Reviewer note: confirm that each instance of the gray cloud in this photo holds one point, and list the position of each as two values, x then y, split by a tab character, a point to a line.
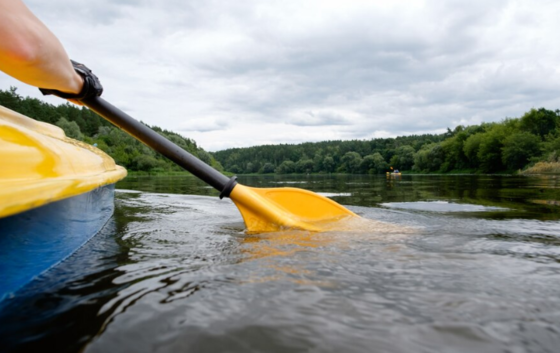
319	119
334	69
205	125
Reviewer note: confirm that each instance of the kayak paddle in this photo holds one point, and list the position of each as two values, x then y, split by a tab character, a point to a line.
262	209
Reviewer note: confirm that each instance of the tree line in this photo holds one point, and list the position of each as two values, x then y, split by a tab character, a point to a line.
84	125
507	146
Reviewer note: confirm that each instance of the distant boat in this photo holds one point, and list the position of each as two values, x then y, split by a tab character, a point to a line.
55	194
392	174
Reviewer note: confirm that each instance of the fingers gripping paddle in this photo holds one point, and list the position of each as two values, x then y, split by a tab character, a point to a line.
263	210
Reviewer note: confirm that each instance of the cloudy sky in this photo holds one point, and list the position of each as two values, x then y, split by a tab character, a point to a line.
247	72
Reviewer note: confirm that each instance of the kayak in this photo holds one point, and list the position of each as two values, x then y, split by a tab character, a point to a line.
55	194
393	174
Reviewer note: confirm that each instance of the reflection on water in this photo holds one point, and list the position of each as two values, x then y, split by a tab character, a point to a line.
334	194
174	272
442	206
516	197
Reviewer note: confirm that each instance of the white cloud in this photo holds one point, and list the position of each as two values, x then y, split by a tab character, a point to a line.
320	118
241	73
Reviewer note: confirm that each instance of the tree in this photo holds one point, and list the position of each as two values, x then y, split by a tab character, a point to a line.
235	169
539	122
403	158
421	162
453	150
380	165
122	156
551	149
519	148
351	162
102	131
204	156
286	167
429	158
250	168
217	165
304	165
267	168
368	165
471	147
144	162
11	99
318	161
71	128
436	156
328	164
490	150
374	164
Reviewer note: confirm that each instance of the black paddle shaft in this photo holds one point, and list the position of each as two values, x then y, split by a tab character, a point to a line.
159	143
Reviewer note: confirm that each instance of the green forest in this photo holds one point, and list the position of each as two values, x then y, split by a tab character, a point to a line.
505	147
82	124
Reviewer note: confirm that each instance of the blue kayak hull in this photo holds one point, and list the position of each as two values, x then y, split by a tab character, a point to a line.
36	240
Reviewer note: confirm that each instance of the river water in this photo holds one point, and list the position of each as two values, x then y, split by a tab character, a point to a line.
455	264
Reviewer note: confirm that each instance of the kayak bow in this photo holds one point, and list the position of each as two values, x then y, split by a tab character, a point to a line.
55	194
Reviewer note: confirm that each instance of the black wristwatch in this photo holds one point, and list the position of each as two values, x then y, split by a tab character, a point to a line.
92	87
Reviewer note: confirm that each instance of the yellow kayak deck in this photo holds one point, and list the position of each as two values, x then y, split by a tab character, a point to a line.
39	164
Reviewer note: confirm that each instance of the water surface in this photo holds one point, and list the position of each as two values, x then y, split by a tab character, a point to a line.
460	264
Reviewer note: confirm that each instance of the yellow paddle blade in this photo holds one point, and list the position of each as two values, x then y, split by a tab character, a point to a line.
270	210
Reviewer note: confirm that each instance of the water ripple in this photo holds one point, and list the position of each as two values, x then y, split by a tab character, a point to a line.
183	276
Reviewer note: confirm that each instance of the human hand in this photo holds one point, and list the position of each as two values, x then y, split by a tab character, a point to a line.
90	85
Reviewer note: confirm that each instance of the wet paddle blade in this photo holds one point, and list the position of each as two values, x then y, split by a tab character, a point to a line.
269	210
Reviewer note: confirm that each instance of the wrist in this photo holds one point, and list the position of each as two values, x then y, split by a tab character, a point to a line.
87	85
76	84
